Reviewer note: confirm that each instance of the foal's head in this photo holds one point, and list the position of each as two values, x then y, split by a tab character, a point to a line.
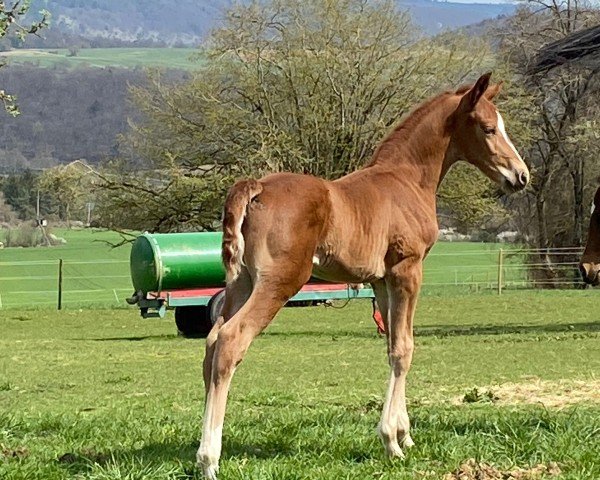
590	260
479	135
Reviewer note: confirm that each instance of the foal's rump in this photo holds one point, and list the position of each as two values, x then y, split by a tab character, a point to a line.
273	225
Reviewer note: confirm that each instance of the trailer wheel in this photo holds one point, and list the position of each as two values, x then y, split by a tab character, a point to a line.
215	306
193	321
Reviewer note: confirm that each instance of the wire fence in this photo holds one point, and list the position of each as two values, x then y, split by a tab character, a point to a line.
504	269
106	282
84	283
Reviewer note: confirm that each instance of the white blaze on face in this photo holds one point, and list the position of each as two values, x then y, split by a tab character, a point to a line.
593	207
505	136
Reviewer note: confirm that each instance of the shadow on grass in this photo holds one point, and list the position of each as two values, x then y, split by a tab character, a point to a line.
293	437
428	331
454	330
285	439
130	338
474	329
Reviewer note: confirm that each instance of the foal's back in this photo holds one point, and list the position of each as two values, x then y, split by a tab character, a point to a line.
343	227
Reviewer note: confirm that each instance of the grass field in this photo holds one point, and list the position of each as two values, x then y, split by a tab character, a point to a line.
95	273
104	394
179	58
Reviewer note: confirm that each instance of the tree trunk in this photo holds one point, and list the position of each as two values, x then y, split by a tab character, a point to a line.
577	176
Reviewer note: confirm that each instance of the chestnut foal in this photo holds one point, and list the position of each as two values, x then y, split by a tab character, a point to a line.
375	225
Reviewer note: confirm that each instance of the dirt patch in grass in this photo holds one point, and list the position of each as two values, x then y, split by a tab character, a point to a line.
473	470
19	452
86	455
557	394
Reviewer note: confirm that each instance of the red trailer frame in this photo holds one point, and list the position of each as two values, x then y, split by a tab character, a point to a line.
197	309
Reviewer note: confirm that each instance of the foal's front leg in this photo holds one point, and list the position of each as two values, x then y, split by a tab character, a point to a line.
403	285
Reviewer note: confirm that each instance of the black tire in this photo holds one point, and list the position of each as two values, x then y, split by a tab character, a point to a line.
193	322
306	303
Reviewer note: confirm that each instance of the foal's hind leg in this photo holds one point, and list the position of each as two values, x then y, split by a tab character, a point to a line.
237	293
233	339
403	284
381	295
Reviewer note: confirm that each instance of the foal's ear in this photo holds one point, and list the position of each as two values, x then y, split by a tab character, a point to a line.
493	90
471	98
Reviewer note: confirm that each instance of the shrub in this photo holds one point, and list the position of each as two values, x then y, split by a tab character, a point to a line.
24	236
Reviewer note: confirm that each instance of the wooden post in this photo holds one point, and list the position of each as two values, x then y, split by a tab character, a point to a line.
60	279
500	272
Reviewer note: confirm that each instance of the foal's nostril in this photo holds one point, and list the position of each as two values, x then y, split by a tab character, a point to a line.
523	178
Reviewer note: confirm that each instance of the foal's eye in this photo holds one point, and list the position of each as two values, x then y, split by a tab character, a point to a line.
489	130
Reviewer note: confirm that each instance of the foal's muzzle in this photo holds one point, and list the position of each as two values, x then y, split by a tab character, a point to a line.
516	181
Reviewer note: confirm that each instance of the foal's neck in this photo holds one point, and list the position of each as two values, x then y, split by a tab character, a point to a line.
420	146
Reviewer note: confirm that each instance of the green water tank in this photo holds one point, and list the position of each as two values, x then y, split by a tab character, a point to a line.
165	261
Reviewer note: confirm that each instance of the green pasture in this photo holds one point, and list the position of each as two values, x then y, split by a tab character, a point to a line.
104	394
179	58
94	273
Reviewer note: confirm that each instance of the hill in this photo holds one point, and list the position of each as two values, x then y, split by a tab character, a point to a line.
106	23
435	16
159	22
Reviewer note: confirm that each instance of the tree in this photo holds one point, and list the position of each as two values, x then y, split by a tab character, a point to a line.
167	200
308	87
11	24
20	192
562	139
69	186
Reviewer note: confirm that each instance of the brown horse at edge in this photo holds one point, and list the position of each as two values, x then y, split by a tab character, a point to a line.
375	225
590	260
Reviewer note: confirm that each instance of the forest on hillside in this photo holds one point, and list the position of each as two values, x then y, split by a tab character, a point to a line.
67	114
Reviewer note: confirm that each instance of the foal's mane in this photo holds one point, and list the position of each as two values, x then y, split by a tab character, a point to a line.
403	129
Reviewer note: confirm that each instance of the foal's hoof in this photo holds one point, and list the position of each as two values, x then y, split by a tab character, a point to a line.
394	451
209	467
209	471
407	441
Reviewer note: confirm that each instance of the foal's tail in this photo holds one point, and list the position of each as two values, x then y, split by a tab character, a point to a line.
240	195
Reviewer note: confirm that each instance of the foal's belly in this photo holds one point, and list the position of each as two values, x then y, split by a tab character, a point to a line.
334	269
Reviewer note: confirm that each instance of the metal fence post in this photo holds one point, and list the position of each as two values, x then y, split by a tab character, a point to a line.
500	272
60	280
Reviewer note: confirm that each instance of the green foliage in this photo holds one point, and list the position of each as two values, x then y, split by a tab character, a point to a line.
468	199
69	188
25	235
20	192
171	199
